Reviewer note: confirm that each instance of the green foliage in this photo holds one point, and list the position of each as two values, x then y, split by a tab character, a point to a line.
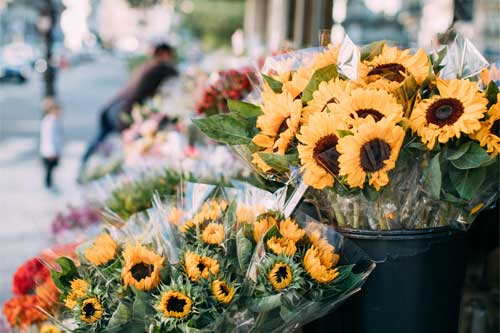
67	274
214	21
492	92
229	129
321	75
275	85
280	162
433	178
246	110
372	50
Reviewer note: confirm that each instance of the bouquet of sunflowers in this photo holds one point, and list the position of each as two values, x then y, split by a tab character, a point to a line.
214	278
386	138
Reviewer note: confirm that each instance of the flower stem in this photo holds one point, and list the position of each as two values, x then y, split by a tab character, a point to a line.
356	215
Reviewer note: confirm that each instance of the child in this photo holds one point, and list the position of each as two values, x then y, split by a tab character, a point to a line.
50	138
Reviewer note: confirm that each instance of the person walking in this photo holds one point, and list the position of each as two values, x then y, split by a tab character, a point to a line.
50	139
142	85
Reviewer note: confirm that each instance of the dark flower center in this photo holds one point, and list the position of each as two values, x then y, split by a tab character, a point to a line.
325	153
299	96
201	266
283	127
373	155
331	100
224	289
281	274
363	113
391	72
176	304
495	128
444	111
141	271
88	310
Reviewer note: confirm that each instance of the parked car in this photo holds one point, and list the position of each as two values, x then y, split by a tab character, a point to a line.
11	74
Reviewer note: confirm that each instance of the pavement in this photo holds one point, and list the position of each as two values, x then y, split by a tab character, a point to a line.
26	207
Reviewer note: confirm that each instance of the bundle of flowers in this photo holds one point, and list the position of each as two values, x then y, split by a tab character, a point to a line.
233	84
213	278
393	138
76	220
32	288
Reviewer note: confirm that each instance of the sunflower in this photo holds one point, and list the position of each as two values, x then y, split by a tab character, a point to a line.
372	150
176	215
175	304
328	94
314	267
290	230
213	234
327	57
391	67
91	310
47	328
259	162
283	246
456	110
222	291
102	250
248	213
279	122
326	251
489	133
317	151
298	82
79	289
200	266
262	225
363	104
280	275
142	267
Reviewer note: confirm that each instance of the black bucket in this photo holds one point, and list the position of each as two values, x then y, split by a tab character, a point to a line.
416	286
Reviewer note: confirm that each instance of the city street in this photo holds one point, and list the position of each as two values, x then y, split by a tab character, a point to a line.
26	207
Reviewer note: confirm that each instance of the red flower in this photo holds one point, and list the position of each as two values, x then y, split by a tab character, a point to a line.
28	275
21	311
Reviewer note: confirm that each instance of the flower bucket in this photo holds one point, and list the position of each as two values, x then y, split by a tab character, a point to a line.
416	286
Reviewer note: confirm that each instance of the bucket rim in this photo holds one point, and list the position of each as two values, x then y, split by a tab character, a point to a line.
401	234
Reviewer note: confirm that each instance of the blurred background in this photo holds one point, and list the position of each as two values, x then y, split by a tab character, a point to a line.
82	52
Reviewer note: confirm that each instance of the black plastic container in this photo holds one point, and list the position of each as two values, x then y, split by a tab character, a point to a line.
416	286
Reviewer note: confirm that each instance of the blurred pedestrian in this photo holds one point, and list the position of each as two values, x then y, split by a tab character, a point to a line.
143	84
50	138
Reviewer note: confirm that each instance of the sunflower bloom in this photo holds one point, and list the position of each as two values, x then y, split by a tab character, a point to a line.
279	123
213	234
317	150
91	310
47	328
248	213
142	267
280	275
290	230
489	133
102	250
316	269
262	226
283	246
200	267
328	94
174	304
79	289
363	104
391	67
372	150
327	255
456	110
222	291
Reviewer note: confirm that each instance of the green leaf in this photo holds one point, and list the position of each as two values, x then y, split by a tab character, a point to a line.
243	250
370	51
475	157
491	93
370	193
266	303
455	153
432	177
436	63
343	133
224	128
468	182
323	74
67	274
120	318
275	85
280	162
246	110
406	94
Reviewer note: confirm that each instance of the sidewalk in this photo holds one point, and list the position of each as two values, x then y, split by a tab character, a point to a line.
27	207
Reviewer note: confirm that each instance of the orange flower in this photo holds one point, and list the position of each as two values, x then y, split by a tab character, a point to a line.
21	311
48	294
